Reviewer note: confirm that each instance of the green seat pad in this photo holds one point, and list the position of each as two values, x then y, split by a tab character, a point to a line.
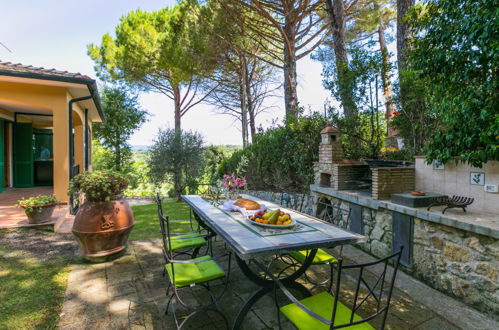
199	272
183	243
320	258
321	304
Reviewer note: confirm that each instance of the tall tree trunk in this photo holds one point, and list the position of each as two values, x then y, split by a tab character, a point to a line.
403	36
244	108
117	163
290	76
176	102
251	114
250	104
336	14
385	76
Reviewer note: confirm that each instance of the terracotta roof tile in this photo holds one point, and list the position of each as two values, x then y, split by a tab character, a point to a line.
330	129
40	70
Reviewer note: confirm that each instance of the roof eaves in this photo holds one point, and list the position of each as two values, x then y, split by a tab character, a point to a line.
91	84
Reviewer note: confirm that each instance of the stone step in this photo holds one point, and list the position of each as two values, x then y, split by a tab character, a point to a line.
64	223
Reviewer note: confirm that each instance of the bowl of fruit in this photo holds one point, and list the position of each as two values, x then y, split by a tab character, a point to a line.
272	219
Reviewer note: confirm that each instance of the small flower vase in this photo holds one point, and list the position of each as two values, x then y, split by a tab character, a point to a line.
232	194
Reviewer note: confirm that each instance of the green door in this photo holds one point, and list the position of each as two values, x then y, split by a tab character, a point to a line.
2	149
23	155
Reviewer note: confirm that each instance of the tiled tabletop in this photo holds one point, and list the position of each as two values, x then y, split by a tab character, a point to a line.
249	241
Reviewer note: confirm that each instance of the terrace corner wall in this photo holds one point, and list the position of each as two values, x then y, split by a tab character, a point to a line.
391	180
456	179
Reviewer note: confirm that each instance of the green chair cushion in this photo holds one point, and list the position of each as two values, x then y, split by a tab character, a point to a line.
321	257
184	243
321	304
191	273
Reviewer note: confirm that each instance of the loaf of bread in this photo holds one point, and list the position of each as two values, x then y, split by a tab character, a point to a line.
248	204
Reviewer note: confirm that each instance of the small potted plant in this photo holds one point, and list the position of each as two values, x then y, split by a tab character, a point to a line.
39	208
104	221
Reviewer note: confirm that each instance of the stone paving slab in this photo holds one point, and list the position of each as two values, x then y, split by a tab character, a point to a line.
129	293
14	217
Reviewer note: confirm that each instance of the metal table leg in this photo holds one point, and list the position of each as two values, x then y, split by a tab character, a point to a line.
268	285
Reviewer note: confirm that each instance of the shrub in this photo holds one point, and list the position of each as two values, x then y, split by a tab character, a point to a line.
177	158
280	158
98	186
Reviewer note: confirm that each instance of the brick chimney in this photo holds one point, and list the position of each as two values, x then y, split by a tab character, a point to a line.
330	149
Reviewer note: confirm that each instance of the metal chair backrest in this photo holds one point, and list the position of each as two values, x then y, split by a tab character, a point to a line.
373	288
164	226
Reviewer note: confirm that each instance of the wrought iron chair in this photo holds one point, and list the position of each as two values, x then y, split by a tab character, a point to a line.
191	273
326	311
183	243
333	214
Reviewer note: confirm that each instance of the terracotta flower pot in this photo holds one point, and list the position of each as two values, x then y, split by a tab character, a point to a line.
102	228
40	214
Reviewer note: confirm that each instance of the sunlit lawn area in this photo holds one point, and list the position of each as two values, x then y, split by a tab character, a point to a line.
147	223
31	290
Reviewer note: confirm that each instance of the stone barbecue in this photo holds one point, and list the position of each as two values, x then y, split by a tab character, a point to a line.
378	179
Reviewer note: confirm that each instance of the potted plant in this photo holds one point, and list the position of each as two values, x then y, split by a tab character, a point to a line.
104	221
39	208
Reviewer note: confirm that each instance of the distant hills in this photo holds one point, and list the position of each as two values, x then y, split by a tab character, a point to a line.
139	147
231	148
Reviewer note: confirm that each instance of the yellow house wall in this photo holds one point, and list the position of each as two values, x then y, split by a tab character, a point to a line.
79	147
56	100
4	114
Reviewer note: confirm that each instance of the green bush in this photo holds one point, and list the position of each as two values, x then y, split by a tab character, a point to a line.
280	158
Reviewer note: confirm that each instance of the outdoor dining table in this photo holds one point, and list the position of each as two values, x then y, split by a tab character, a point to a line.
250	242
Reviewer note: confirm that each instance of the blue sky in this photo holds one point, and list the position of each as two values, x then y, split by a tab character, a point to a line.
54	34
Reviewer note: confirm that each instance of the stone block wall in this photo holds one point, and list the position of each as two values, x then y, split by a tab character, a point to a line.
323	168
300	202
391	180
455	179
460	263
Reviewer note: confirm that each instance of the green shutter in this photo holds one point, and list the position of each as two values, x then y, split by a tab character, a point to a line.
2	150
23	155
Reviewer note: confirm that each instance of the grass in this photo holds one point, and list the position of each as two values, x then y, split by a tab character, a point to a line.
31	290
147	223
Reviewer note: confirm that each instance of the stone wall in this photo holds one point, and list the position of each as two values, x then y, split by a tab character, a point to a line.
455	179
391	180
460	263
300	202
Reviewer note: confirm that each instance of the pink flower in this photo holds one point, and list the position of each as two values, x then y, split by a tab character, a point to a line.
230	181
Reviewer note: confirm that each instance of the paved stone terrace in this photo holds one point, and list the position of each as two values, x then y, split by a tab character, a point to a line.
14	217
129	293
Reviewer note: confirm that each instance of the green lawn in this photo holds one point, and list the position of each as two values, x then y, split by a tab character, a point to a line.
147	223
31	290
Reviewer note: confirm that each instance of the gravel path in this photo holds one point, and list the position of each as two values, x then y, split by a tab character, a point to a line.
40	243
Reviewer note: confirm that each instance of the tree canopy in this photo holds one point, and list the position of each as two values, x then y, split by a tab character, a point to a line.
166	51
456	53
123	117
